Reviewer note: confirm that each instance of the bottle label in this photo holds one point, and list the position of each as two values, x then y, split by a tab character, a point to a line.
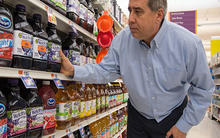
64	111
53	52
74	57
82	109
73	6
76	108
3	128
5	22
51	102
17	122
22	44
35	117
6	45
88	106
98	103
61	4
49	118
39	48
83	14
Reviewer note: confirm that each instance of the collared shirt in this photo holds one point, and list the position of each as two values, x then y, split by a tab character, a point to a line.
159	76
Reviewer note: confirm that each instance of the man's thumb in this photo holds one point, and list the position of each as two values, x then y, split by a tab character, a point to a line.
169	133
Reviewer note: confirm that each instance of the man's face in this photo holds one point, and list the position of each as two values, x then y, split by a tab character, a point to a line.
142	21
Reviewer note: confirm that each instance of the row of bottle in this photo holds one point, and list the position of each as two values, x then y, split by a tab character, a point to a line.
79	11
29	111
31	47
110	125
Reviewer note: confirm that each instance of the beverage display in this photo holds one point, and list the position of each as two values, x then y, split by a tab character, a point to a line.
16	110
83	14
40	44
6	36
48	97
54	46
71	49
73	9
3	116
22	50
34	111
63	109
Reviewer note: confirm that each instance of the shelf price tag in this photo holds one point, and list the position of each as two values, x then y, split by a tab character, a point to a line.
58	83
51	16
28	82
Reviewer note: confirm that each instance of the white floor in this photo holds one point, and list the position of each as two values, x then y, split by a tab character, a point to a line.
206	129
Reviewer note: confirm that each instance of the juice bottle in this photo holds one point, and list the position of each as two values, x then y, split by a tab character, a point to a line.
110	96
77	104
73	8
63	109
83	103
61	6
40	44
34	112
3	116
16	111
88	101
71	49
6	36
98	99
106	98
102	98
83	14
91	18
54	46
48	97
93	100
23	50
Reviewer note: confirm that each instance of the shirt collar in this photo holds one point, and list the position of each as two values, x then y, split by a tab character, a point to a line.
158	37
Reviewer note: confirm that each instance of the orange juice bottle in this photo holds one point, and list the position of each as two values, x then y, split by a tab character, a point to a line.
106	98
98	99
83	103
88	101
63	109
93	99
102	98
77	104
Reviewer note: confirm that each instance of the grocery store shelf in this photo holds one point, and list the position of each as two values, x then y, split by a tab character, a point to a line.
61	133
218	119
120	132
42	75
216	106
217	81
216	71
37	6
101	8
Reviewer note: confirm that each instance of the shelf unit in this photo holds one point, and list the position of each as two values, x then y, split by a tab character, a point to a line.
218	119
63	23
120	132
61	133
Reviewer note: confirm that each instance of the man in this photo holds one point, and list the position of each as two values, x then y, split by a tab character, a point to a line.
157	61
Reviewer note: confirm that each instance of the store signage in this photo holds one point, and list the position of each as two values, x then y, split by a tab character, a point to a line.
187	19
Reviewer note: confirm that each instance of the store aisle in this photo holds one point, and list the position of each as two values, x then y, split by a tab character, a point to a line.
206	129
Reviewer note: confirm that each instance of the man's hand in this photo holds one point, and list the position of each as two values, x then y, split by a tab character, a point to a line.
66	67
176	133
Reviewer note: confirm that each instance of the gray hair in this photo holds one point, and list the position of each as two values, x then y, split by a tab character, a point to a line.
155	5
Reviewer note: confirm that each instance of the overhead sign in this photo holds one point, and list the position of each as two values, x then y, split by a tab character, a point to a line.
187	19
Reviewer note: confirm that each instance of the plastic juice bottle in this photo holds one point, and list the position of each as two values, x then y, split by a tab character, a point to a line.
71	49
83	103
83	14
16	111
98	99
88	101
63	109
61	6
34	110
40	44
6	36
77	104
3	116
48	97
102	98
73	8
23	50
91	18
54	46
93	99
106	99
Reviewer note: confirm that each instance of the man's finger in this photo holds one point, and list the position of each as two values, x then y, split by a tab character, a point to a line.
62	55
169	134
